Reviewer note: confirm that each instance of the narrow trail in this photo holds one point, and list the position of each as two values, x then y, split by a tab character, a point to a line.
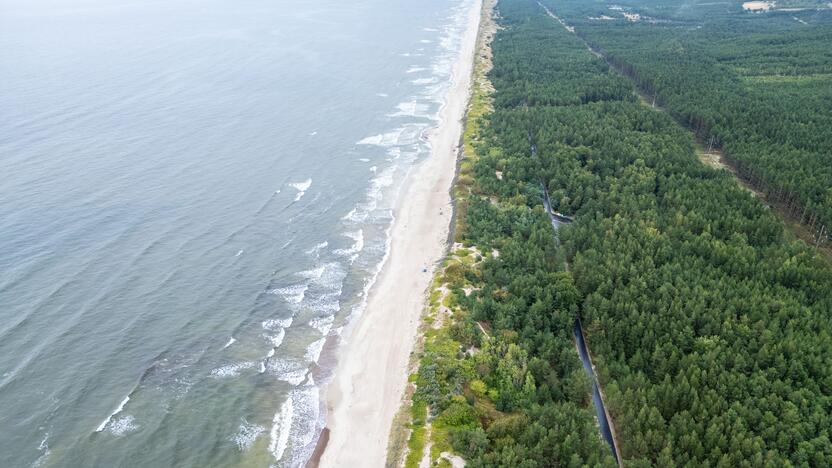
604	420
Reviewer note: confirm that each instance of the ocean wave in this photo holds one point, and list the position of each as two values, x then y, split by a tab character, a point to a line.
447	42
276	340
423	81
317	248
331	277
313	351
247	434
230	342
395	153
412	109
314	273
231	370
415	69
390	138
355	216
43	448
123	425
301	187
281	425
118	410
357	246
307	423
292	294
288	370
274	324
326	303
322	324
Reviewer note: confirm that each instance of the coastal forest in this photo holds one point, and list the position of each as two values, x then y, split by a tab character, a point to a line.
758	87
708	321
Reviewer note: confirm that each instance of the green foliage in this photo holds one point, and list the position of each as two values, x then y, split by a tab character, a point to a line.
757	86
416	442
710	330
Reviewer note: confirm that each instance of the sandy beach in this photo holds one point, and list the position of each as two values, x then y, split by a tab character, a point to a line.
371	375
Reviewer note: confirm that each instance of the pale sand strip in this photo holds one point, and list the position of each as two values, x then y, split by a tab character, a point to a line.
371	374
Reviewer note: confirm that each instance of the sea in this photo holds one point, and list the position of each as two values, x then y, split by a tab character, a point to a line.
195	197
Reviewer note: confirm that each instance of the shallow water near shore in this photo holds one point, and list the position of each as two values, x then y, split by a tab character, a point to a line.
196	197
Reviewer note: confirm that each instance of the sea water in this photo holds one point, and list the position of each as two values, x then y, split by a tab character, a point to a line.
195	197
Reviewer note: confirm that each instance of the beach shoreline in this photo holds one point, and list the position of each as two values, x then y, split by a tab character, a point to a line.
371	375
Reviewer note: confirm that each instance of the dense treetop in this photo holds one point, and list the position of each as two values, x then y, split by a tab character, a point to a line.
710	329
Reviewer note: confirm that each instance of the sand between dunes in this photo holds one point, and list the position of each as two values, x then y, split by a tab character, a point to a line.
371	374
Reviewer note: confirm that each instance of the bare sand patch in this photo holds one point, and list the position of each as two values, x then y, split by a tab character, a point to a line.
371	375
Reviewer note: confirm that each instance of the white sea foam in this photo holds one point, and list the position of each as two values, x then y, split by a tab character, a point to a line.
314	273
415	69
329	276
301	187
425	41
231	370
395	153
262	367
364	159
247	434
270	353
317	248
313	133
306	406
123	425
292	294
274	324
357	246
356	216
411	109
371	140
118	410
276	340
291	371
373	169
322	324
424	81
313	351
43	447
239	253
387	139
382	180
382	94
328	302
281	425
230	342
